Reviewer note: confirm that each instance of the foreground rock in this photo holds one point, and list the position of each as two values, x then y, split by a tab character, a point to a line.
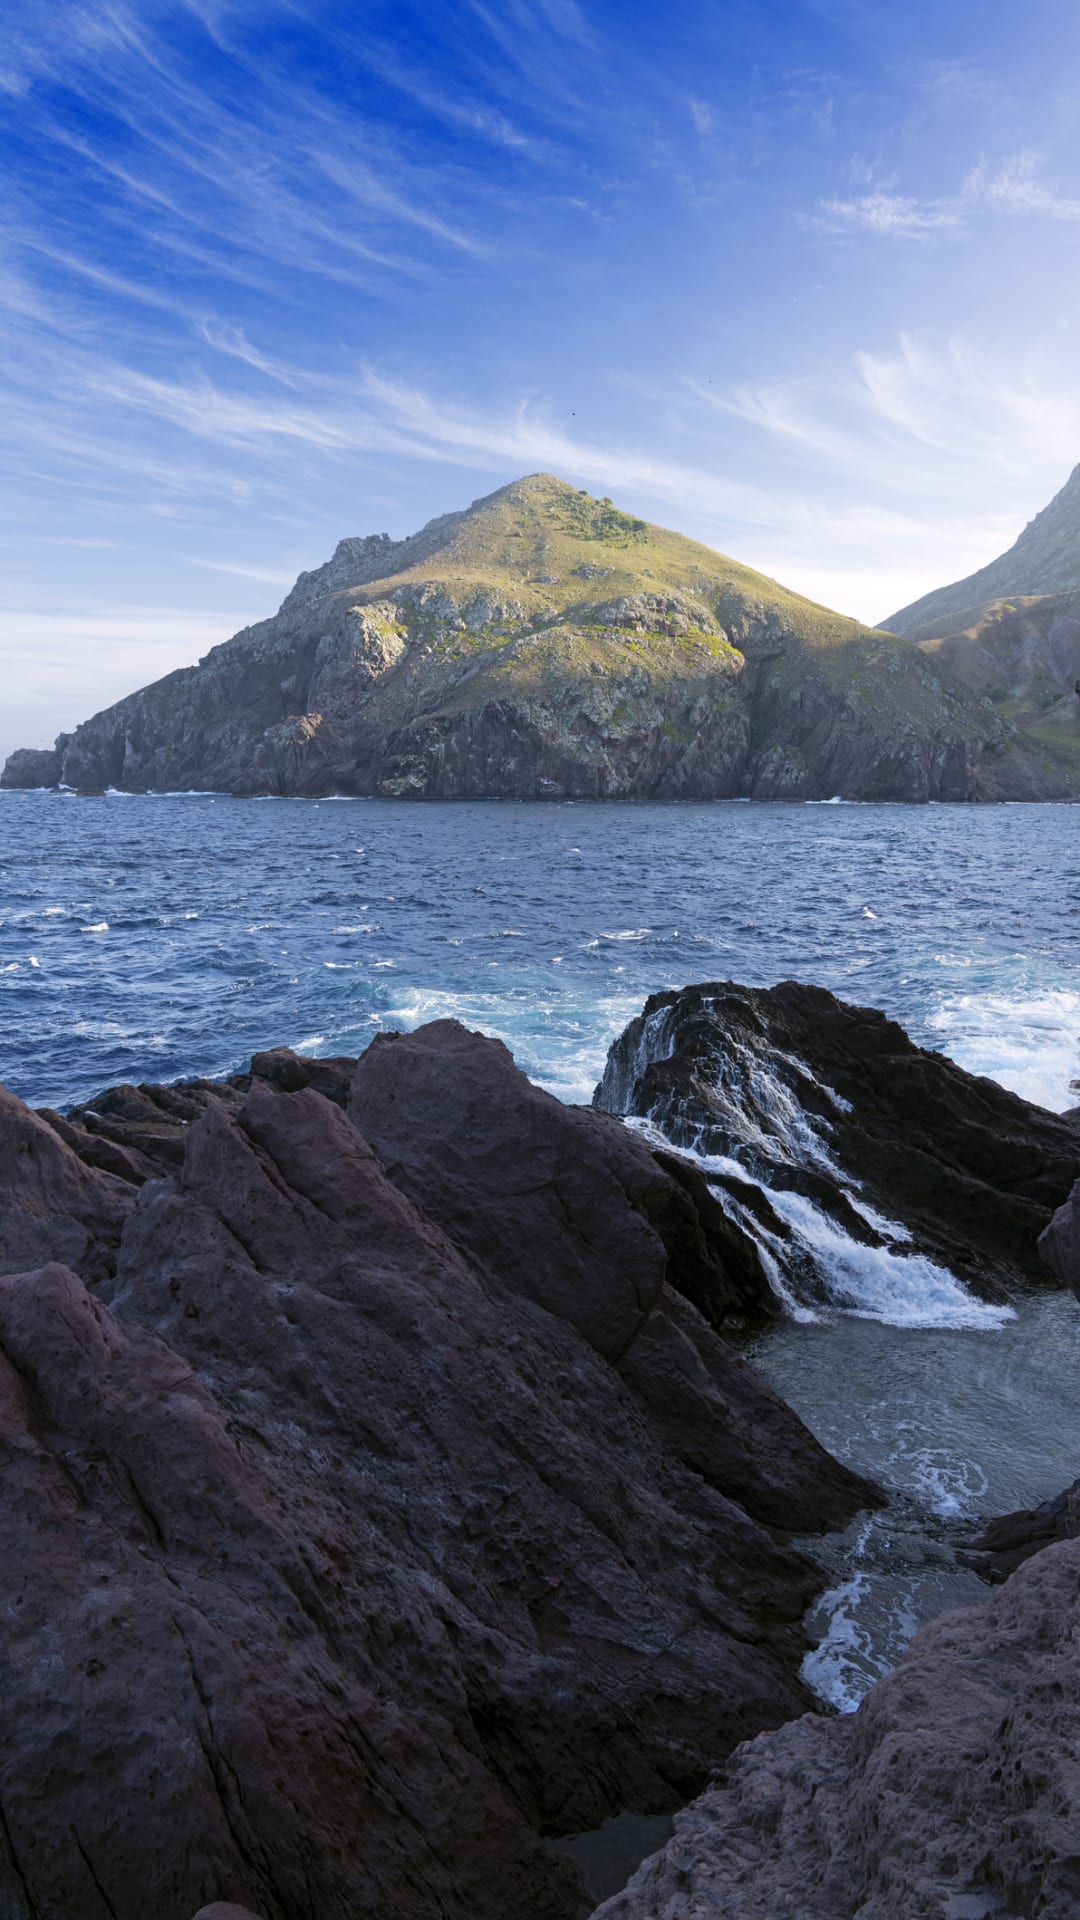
346	1551
1059	1244
544	644
833	1103
950	1795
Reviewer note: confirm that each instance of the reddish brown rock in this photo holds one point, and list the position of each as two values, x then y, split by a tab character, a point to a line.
340	1566
951	1794
568	1209
52	1206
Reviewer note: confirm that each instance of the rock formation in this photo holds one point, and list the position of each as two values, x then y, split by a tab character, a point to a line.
543	644
348	1550
1045	560
1010	634
950	1795
812	1096
1059	1244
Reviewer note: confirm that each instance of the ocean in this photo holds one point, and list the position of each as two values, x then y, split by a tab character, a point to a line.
160	936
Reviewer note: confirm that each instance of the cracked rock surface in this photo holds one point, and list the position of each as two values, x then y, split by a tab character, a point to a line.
950	1795
346	1551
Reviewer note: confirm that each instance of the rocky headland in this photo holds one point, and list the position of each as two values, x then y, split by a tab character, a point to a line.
386	1497
1011	632
543	644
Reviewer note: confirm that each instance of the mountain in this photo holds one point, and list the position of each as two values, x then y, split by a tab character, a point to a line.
544	644
1011	632
1044	560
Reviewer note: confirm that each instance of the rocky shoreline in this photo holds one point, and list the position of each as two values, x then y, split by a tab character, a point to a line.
387	1497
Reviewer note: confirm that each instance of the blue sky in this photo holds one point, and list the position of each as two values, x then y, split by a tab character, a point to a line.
800	280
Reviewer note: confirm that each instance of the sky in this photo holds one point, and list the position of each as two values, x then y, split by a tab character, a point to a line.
799	280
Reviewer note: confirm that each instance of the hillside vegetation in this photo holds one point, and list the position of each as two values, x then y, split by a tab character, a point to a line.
544	643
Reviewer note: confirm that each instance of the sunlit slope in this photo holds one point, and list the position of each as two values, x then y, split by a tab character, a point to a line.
1044	560
544	643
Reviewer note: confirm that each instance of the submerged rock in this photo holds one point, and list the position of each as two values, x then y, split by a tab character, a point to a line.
950	1795
346	1551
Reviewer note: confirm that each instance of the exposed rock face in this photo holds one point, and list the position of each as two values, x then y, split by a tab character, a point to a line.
52	1206
1059	1244
1010	634
345	1551
490	655
950	1795
834	1102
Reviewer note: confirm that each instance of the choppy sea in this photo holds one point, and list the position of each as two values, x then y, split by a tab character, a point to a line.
159	936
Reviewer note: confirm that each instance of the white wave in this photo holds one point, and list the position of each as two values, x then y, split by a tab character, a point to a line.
99	926
949	1485
1028	1041
34	961
837	1668
888	1229
876	1283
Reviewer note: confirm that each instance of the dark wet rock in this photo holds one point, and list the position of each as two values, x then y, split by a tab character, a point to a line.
1059	1244
144	1128
1011	1538
53	1206
832	1101
340	1566
289	1071
950	1795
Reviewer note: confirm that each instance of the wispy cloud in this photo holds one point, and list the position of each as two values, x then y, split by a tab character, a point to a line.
1014	186
887	213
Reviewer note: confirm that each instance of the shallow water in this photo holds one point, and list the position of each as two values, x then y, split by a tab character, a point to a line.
961	1424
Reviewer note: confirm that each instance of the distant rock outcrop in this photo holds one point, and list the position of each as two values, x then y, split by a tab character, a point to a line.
1010	634
355	1539
543	644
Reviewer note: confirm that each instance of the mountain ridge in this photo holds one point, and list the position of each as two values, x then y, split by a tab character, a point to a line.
1044	559
542	643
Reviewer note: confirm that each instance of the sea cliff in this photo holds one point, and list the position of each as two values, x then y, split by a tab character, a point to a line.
543	644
